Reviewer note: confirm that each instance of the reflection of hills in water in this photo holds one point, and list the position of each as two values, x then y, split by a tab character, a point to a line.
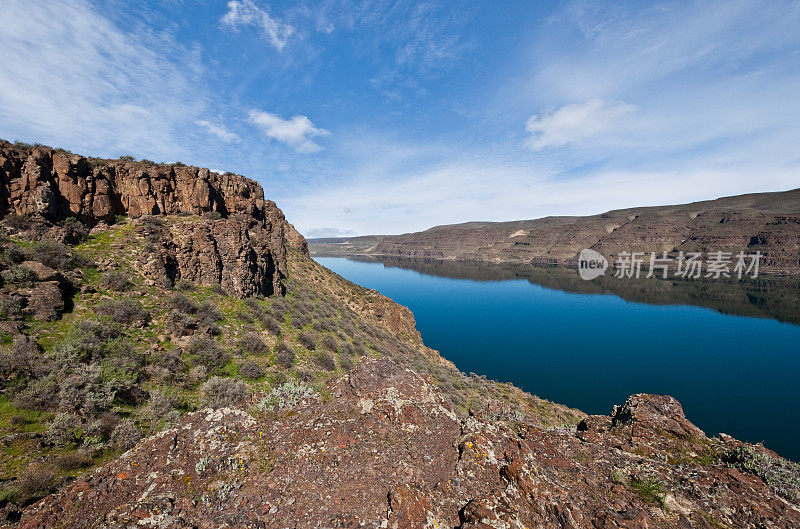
764	297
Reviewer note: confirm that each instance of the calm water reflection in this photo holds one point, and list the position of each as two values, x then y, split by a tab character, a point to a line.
730	352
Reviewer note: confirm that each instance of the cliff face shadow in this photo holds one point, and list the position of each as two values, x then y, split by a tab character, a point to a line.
773	297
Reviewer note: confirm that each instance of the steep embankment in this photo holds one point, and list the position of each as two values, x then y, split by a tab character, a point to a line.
200	402
765	222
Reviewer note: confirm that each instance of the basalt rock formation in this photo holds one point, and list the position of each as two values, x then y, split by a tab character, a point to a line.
765	222
244	251
387	450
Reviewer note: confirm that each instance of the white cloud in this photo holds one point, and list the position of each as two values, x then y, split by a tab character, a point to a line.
248	13
295	132
574	123
219	131
319	233
73	78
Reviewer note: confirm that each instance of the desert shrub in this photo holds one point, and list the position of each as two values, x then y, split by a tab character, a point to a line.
330	342
13	254
182	303
347	349
251	370
125	435
346	362
19	275
184	285
180	323
300	320
324	324
127	311
39	394
161	403
212	215
782	475
324	359
304	307
26	356
116	280
72	461
19	222
62	430
83	391
37	480
171	361
207	352
52	254
306	339
287	395
127	158
207	315
103	427
197	374
285	355
11	306
272	325
221	392
151	223
75	232
244	317
252	344
279	307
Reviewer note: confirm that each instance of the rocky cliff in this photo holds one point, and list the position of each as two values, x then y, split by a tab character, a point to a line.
764	222
244	251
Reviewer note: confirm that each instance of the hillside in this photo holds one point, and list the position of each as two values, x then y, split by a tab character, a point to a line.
172	357
765	222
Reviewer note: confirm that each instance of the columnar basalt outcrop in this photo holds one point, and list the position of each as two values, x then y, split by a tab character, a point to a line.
242	244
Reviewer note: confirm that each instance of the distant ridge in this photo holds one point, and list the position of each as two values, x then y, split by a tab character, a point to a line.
764	222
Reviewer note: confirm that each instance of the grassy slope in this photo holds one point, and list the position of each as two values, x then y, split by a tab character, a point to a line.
344	320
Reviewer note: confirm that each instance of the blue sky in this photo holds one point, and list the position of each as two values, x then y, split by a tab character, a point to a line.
362	117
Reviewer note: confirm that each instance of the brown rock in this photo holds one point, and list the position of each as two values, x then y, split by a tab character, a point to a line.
46	301
43	273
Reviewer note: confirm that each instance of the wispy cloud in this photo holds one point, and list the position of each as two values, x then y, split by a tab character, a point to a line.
73	78
574	123
247	13
219	131
295	132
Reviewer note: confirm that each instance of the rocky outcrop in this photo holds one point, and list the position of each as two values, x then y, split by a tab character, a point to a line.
241	245
765	222
386	450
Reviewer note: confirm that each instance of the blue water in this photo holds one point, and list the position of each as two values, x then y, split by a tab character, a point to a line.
733	374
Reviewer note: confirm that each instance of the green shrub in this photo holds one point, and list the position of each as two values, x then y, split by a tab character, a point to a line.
252	344
251	370
127	311
221	392
287	395
324	359
208	353
306	339
116	280
19	275
52	254
285	355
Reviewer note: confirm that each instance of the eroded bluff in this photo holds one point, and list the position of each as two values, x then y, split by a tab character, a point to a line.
241	245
